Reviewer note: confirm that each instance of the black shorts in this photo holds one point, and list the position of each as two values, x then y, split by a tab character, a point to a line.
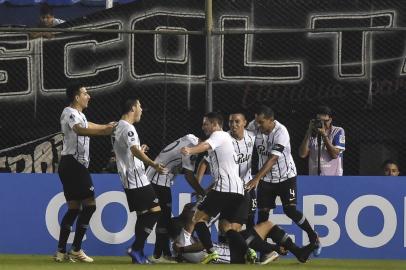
76	180
230	206
251	197
164	195
141	199
267	193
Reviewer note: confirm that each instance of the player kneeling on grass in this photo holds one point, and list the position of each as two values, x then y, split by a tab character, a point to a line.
189	249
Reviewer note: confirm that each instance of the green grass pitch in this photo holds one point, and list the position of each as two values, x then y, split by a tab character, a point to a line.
41	262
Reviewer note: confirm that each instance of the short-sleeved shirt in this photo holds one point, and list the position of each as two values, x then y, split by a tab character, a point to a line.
173	160
243	149
277	142
131	169
328	165
222	163
74	144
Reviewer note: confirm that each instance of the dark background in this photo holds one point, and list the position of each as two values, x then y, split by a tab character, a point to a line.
369	107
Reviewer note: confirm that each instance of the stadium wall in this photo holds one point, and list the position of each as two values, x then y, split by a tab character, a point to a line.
356	217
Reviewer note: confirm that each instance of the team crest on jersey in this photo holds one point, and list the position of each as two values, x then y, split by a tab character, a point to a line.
249	144
130	134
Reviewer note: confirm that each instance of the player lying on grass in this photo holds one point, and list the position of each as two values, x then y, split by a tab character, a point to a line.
189	249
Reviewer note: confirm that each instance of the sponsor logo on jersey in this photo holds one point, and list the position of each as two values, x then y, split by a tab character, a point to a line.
242	158
261	150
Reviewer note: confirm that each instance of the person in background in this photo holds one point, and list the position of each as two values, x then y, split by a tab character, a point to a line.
390	168
332	144
46	20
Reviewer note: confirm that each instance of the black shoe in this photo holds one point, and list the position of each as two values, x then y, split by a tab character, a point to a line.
305	253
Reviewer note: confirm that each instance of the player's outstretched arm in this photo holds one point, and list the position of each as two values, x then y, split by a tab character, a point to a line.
94	129
200	148
138	153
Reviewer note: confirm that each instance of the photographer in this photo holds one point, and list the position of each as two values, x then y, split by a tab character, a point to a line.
328	160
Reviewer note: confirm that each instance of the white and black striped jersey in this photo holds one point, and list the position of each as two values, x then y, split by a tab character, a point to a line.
131	169
222	163
73	144
244	149
186	239
174	161
276	143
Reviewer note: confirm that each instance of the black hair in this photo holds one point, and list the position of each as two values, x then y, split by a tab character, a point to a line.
128	104
215	117
72	91
390	161
239	112
45	9
265	110
323	109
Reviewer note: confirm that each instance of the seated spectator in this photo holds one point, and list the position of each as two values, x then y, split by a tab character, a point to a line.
46	20
111	166
390	168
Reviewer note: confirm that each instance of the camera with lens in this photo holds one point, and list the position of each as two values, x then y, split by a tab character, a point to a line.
316	124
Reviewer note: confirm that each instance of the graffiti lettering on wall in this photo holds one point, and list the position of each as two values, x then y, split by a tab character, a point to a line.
39	156
105	61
